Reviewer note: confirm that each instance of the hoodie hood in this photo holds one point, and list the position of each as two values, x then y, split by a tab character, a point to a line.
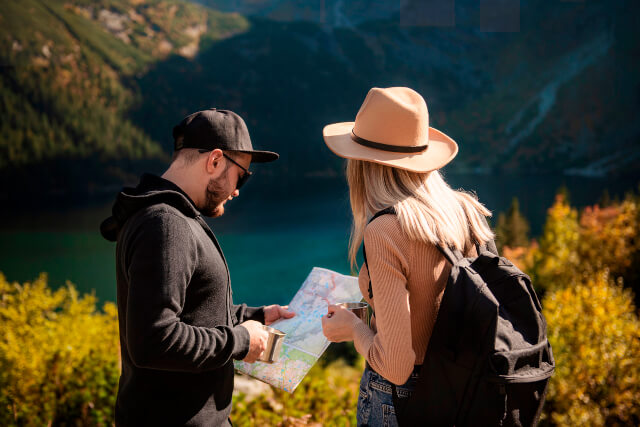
152	190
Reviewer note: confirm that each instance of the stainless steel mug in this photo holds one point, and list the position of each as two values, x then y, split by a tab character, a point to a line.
271	354
360	309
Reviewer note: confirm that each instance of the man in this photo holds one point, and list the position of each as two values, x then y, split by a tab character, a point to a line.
179	329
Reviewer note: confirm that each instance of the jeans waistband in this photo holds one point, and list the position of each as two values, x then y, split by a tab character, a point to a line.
415	372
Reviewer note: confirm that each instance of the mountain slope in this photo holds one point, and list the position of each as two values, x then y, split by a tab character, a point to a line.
67	83
558	96
90	90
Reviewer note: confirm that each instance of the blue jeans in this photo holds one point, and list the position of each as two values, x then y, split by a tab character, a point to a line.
375	399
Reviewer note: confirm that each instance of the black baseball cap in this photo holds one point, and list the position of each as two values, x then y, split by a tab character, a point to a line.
214	128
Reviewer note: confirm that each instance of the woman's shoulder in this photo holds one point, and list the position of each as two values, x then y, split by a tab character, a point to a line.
385	231
387	224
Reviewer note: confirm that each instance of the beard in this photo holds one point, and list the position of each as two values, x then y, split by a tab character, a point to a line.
214	197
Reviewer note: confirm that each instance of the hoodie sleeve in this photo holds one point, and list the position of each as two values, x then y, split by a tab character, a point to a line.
162	257
242	313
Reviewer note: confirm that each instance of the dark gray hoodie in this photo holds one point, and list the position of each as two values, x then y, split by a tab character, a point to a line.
178	325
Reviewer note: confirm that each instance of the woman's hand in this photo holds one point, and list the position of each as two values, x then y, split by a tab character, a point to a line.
338	324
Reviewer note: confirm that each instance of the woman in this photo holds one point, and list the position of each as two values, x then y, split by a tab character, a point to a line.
393	161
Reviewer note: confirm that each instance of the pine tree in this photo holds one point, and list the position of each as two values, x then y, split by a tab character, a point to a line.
605	200
513	228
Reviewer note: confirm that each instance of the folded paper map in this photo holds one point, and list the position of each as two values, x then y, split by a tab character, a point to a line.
304	343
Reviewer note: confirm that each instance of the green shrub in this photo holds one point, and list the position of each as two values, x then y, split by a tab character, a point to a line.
595	334
58	356
327	396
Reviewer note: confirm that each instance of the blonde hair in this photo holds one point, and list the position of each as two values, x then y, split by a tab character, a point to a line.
427	208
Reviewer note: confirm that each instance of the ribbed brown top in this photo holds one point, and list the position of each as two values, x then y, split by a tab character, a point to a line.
408	279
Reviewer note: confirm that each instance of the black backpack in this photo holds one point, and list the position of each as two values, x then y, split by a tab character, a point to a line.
488	361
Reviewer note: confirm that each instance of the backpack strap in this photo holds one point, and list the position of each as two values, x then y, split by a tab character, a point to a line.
451	254
490	246
390	210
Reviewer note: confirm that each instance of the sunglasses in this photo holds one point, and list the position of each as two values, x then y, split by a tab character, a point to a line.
245	176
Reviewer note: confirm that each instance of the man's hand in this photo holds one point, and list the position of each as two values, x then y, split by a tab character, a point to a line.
276	312
258	341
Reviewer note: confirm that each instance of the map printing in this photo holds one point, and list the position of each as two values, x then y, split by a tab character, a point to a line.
304	342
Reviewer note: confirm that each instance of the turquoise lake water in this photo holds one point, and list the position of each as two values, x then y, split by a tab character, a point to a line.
272	236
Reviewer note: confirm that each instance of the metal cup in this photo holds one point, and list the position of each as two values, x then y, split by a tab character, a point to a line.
360	309
271	354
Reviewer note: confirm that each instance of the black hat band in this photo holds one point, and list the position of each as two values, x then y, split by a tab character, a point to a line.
387	147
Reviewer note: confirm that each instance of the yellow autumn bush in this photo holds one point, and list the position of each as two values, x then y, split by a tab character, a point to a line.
595	335
574	246
580	264
326	396
555	262
58	356
59	365
609	237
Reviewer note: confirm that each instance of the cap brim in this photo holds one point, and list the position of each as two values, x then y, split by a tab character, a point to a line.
442	149
258	156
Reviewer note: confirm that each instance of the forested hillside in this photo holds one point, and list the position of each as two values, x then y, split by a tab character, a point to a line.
525	86
91	89
68	81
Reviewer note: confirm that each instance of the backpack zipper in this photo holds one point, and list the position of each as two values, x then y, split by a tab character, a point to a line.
514	379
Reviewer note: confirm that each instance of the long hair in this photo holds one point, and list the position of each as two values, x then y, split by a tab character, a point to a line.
428	209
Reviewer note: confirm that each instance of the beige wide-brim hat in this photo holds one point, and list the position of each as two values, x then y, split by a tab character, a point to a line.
392	128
